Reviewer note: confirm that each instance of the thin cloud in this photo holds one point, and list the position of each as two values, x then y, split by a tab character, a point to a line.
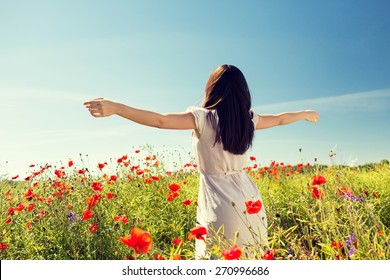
21	93
362	101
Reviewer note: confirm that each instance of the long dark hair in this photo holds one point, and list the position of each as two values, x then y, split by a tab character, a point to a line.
228	93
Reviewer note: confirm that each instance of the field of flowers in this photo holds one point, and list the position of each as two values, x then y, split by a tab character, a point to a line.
133	208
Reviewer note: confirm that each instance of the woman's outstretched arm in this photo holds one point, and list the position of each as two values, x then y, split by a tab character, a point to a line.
101	107
267	121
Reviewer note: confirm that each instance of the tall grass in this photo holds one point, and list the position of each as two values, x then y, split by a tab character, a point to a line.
350	219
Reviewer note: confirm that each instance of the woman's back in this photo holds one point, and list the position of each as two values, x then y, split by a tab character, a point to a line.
212	158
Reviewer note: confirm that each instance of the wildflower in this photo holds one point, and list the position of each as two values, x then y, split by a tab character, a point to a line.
139	240
345	191
101	165
28	225
317	193
351	252
113	178
351	241
70	163
10	211
93	200
253	207
97	186
174	187
233	253
93	228
20	207
28	194
110	195
81	171
186	202
172	195
15	177
197	232
337	245
87	214
318	180
8	221
148	181
158	257
4	246
71	216
121	219
176	257
137	151
269	254
59	173
177	241
30	207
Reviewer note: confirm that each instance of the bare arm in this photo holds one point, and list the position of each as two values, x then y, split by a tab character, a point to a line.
100	107
267	121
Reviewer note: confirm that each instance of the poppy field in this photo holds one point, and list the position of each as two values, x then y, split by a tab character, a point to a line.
134	208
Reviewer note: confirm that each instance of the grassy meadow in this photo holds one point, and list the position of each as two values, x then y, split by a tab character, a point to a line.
70	211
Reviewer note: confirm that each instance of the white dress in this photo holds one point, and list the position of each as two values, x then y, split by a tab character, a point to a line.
224	189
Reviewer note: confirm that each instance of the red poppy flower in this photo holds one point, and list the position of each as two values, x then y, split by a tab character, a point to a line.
317	193
177	241
97	186
318	180
197	232
93	200
345	191
10	211
186	202
30	207
59	173
113	178
8	221
337	245
93	228
70	163
3	246
172	195
28	194
28	225
121	219
110	195
20	207
137	151
174	187
176	257
233	253
269	255
148	181
158	257
15	177
139	240
81	172
252	158
101	165
253	207
87	214
155	178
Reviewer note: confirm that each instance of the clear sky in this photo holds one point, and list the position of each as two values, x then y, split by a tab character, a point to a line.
331	56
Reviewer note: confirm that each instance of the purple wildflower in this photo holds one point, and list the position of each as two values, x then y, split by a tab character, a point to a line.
350	240
351	252
71	216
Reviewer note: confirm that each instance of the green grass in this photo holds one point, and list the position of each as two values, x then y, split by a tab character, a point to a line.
300	226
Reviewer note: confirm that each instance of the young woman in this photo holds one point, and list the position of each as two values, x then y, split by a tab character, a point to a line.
223	131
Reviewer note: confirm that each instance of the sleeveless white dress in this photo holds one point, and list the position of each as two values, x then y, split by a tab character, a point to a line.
224	189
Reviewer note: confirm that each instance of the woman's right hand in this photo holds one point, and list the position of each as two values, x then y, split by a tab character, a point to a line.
100	107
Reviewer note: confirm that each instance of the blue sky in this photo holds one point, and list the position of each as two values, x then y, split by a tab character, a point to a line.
331	56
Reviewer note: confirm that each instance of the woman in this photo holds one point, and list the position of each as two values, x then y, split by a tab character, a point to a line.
229	203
